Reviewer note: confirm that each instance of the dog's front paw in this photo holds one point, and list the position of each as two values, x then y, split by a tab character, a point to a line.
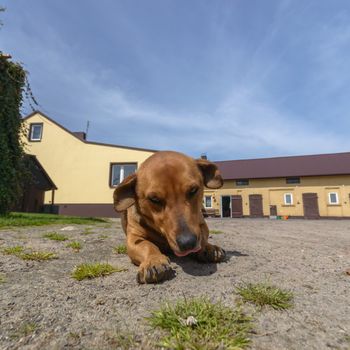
211	253
155	270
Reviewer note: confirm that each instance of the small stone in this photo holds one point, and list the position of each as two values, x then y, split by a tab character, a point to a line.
68	228
191	321
347	272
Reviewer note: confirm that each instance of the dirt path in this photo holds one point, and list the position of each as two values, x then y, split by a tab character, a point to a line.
42	307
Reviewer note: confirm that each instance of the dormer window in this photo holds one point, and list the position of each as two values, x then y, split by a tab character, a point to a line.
35	132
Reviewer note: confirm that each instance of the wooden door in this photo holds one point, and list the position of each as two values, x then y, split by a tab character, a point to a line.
237	207
256	206
273	210
310	203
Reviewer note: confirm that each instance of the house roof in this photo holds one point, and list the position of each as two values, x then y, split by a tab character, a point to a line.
40	177
82	140
309	165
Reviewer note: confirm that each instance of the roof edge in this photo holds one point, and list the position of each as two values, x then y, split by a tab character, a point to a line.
281	157
85	141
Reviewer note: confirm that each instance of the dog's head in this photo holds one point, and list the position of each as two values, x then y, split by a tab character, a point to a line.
167	191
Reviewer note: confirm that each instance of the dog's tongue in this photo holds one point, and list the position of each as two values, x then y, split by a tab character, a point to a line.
195	250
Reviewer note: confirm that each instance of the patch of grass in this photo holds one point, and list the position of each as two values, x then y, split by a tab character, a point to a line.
93	270
31	255
2	278
74	245
38	256
54	236
16	250
30	219
262	294
87	231
24	330
121	249
215	232
201	325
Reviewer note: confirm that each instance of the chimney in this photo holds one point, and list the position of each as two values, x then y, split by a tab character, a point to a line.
80	135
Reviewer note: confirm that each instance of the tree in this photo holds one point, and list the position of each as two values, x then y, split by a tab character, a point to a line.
12	165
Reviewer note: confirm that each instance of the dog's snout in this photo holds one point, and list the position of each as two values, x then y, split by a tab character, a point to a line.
186	241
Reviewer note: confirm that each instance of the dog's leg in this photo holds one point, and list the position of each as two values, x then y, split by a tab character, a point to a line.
154	266
209	252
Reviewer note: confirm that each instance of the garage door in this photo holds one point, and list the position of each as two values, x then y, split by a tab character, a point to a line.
237	207
310	203
255	206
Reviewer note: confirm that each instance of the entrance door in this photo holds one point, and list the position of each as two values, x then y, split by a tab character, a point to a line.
237	207
273	210
226	206
256	206
310	203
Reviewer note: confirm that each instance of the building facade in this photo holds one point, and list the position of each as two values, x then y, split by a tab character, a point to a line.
84	173
310	187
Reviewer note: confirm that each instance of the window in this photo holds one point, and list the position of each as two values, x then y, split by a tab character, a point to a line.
35	132
293	180
333	198
242	182
288	199
120	171
207	201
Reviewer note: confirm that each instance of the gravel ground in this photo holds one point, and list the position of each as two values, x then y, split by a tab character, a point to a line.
42	307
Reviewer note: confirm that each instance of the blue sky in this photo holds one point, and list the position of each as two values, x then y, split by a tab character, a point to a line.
230	78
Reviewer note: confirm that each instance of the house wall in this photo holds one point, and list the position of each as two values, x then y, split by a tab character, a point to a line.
80	170
273	190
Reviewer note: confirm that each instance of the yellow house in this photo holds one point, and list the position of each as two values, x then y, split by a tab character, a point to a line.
84	173
312	186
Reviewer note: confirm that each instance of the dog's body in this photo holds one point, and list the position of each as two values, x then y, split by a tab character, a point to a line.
161	213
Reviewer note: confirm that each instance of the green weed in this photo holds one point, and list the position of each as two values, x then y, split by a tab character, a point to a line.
215	232
201	325
262	294
54	236
93	270
121	249
74	245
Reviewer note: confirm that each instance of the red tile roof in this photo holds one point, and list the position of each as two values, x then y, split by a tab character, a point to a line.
310	165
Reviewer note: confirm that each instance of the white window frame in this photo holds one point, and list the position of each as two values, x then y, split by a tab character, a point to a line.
31	132
336	196
121	172
285	198
211	201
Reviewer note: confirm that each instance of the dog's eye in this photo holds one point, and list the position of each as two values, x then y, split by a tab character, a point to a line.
155	200
193	191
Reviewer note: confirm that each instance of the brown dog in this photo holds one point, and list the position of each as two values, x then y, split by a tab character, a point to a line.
161	207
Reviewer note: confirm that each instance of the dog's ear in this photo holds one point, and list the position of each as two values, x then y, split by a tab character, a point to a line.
211	174
124	194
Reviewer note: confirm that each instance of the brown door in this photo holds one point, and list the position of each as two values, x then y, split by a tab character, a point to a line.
310	203
237	207
273	210
256	206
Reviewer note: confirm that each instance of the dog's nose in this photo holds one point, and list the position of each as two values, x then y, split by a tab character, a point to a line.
186	241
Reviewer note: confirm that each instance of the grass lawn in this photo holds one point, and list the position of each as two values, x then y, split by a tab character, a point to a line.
31	219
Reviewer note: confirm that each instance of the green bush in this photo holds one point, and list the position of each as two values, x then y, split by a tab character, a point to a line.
12	165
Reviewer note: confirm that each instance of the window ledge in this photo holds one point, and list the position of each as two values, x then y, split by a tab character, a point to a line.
288	205
334	205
